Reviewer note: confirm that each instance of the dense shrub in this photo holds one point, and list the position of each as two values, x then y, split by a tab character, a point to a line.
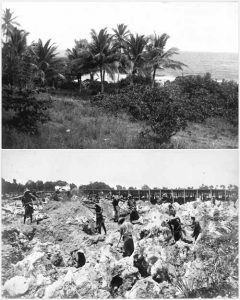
167	109
69	85
134	79
27	110
229	96
206	97
159	107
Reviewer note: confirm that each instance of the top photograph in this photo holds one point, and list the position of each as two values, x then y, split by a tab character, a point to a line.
120	75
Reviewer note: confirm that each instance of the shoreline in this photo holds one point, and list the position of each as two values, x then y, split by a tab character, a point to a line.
158	78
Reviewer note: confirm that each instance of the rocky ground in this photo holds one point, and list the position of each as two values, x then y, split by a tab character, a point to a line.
36	260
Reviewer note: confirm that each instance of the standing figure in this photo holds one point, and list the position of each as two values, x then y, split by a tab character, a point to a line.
99	219
133	208
213	200
27	201
126	229
196	229
116	208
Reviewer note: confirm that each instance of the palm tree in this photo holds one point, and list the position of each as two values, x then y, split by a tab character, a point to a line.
104	53
80	61
120	36
8	22
17	41
136	50
47	64
158	58
12	55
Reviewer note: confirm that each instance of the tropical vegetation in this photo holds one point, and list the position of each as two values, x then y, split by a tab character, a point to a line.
29	70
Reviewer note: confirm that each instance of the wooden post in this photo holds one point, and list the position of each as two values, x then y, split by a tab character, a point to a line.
139	195
149	195
197	194
160	195
225	194
184	196
172	196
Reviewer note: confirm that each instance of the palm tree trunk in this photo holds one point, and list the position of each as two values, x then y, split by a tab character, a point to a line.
101	76
91	77
80	83
153	77
118	76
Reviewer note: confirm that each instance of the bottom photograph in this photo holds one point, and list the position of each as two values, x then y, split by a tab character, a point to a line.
119	224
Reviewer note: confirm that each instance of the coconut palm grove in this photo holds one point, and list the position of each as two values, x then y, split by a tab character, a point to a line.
106	93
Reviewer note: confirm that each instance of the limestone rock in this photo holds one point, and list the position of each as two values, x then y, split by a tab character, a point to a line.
144	288
16	286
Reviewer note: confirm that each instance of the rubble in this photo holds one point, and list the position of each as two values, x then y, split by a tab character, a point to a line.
37	259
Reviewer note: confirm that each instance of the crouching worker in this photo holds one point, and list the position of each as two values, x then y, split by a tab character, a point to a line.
27	201
99	219
126	229
77	259
177	231
196	229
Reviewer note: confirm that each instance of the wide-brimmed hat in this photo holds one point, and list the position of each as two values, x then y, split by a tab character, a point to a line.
26	191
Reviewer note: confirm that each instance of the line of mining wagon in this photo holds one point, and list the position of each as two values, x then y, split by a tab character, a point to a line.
180	196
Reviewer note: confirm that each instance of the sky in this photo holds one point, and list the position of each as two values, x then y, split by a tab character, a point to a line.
192	26
156	168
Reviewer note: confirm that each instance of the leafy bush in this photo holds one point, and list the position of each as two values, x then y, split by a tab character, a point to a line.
167	109
27	111
229	96
135	79
206	98
159	107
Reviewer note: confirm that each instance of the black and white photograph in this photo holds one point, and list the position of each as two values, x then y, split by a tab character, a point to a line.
120	149
120	224
122	75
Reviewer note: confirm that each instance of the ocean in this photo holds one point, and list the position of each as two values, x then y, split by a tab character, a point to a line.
220	65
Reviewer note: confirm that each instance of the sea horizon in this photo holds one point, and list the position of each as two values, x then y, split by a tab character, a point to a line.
221	66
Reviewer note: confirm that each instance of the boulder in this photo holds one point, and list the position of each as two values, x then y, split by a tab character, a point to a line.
102	294
125	271
144	288
54	290
17	286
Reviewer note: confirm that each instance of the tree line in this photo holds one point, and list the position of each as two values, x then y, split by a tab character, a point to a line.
164	109
119	52
49	186
39	185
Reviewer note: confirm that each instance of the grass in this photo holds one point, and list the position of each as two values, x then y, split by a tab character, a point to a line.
215	133
77	124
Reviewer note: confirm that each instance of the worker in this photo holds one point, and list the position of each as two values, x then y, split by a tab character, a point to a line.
126	229
177	231
27	201
133	209
99	219
131	202
196	229
213	200
116	208
172	211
